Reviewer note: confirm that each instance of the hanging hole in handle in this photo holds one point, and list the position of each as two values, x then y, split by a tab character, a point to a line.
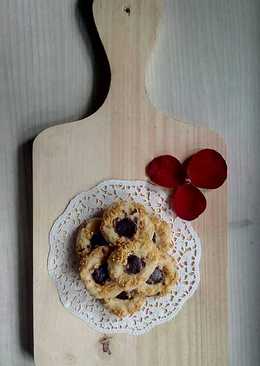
127	10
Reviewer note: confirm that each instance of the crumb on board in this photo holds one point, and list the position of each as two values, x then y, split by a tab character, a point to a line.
105	343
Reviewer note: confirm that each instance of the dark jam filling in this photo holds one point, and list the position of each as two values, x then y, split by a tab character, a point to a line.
134	264
154	238
97	240
100	275
156	277
126	227
123	296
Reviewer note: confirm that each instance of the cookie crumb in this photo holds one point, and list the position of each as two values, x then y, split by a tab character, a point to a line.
105	342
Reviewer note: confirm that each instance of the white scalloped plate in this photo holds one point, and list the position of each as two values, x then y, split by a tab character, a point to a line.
62	265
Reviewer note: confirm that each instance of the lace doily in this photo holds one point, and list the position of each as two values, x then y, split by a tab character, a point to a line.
63	267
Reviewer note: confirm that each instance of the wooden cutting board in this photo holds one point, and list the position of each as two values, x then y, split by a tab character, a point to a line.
117	142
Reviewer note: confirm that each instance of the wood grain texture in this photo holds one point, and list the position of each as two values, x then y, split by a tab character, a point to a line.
205	68
117	142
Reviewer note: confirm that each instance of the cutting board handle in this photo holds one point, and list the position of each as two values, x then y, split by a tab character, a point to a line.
133	24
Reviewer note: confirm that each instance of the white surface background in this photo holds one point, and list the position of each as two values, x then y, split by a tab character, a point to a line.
206	68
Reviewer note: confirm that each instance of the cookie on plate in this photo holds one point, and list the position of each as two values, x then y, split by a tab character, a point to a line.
163	278
126	303
89	237
162	234
132	264
94	274
126	221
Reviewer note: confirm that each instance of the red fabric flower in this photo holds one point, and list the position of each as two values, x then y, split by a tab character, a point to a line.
205	169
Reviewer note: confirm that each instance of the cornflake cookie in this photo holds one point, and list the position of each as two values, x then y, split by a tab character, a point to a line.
123	257
163	278
94	274
89	237
132	264
126	303
126	221
162	234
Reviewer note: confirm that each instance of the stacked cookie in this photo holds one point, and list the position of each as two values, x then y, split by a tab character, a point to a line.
123	257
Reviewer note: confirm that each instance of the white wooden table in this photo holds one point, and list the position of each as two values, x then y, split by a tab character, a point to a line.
206	68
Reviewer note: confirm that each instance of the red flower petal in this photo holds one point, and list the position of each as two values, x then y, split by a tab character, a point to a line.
186	162
207	169
166	171
188	202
